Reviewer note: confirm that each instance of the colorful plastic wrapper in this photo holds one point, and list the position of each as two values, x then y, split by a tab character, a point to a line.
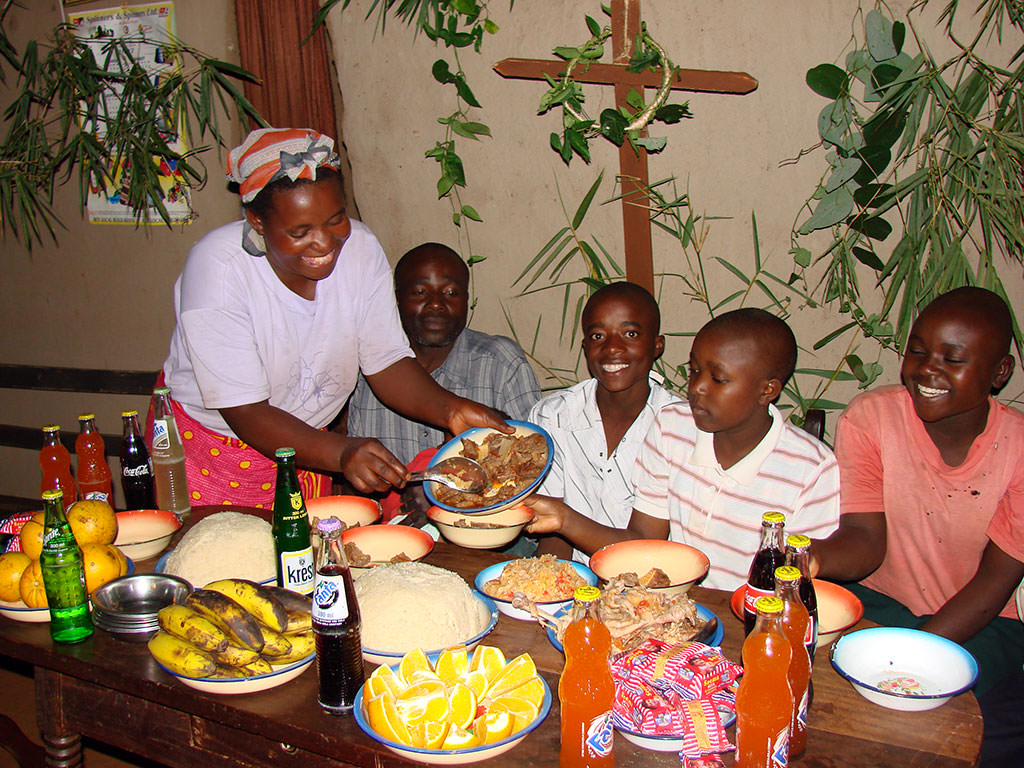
11	526
676	690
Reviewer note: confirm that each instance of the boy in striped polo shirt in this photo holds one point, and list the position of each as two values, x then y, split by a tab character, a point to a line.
708	469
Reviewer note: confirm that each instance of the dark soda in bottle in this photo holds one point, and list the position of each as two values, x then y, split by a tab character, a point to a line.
770	555
336	624
798	550
136	470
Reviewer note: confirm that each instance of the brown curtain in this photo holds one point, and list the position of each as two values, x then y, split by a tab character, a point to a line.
297	89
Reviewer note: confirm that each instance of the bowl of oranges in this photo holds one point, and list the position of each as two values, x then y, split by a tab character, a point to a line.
94	525
459	707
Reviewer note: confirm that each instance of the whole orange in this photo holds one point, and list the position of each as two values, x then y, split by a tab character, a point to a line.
33	593
12	566
92	521
31	536
101	565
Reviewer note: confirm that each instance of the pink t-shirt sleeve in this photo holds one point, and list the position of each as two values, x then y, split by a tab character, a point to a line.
860	466
1006	530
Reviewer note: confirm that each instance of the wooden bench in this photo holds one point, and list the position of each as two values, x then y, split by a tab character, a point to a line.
55	379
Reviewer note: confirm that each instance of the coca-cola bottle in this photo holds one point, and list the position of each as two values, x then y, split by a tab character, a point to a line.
770	555
136	470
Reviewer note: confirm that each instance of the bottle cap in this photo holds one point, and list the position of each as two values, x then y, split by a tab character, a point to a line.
328	524
787	573
773	519
284	453
86	416
51	428
768	605
797	541
126	414
586	594
162	391
53	493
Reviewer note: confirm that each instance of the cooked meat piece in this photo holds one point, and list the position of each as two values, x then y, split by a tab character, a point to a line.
355	556
655	578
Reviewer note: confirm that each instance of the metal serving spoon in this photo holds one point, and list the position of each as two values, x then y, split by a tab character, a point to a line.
458	473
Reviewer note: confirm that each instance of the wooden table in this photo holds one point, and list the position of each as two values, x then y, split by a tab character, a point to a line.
112	691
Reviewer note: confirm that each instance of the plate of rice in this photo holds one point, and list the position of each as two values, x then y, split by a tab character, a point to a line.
545	581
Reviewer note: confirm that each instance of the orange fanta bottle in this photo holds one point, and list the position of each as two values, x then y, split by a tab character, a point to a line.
795	619
764	701
55	461
586	689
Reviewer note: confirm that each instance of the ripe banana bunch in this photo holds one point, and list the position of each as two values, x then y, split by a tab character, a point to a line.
234	628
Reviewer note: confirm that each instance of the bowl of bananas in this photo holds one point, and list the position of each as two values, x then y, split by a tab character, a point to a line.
235	636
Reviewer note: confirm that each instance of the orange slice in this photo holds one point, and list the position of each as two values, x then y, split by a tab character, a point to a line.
523	712
382	680
461	705
489	659
532	690
493	726
384	719
427	689
476	681
459	738
452	665
430	734
515	673
423	675
413	661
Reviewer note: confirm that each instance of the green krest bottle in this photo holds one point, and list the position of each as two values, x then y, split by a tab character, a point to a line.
295	568
63	575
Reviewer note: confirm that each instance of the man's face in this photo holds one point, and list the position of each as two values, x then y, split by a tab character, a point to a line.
433	299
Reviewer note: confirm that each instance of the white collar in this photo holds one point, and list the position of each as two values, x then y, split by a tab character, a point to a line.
744	471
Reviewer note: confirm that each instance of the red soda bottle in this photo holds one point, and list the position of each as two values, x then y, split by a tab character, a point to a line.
770	555
795	620
764	701
586	689
94	479
55	461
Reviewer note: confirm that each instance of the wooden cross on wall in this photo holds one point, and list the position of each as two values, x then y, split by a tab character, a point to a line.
636	222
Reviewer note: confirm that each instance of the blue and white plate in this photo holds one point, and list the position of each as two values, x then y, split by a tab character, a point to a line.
279	676
705	613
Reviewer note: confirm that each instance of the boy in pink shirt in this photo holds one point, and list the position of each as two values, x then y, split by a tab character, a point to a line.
932	487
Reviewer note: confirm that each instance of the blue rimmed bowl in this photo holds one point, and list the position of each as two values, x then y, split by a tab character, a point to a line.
492	572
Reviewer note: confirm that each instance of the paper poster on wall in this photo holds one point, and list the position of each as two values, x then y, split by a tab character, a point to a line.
145	30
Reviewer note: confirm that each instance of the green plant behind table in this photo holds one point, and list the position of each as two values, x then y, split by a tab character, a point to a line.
458	24
925	178
58	128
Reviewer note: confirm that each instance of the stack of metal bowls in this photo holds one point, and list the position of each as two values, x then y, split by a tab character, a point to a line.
128	606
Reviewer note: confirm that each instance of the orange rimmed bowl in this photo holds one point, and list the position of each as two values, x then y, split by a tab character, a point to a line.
144	533
353	511
383	543
838	609
684	565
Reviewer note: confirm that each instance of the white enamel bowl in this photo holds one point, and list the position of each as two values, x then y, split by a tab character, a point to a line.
144	533
492	572
509	521
684	565
351	510
384	542
478	434
904	669
279	676
452	756
487	609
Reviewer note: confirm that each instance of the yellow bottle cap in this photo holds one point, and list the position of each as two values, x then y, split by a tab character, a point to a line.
787	573
797	541
586	594
773	518
768	605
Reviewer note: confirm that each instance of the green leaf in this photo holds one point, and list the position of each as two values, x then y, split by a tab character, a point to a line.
844	169
801	256
872	195
456	219
593	26
885	127
672	113
884	74
441	72
613	126
465	93
868	258
567	52
828	80
444	185
652	143
584	206
878	31
578	142
831	209
490	27
874	227
875	159
470	213
478	129
826	373
824	340
834	123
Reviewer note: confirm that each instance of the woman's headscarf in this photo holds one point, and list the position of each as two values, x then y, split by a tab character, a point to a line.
269	154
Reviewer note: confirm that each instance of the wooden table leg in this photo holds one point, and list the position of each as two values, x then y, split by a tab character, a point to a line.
63	747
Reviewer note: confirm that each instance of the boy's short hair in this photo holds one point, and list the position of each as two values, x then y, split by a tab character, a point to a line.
627	290
986	306
770	333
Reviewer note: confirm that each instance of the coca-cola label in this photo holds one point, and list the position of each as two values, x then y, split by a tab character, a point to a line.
811	635
599	735
140	471
751	596
330	608
161	436
297	571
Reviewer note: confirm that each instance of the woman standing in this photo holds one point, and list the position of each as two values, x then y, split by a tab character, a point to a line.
276	314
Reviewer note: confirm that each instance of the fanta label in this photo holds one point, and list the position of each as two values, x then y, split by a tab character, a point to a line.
780	749
98	496
329	604
599	735
801	712
161	435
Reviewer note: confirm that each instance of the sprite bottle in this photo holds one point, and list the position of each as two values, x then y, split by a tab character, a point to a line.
295	569
63	575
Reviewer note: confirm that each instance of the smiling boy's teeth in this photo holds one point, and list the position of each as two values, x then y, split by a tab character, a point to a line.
613	367
930	391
